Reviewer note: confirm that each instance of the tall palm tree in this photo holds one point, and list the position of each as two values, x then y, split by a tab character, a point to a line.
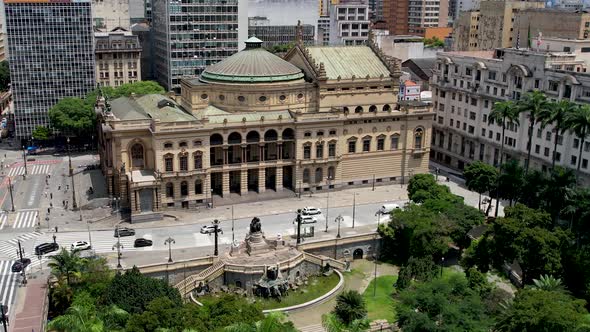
503	112
66	265
579	122
534	103
556	115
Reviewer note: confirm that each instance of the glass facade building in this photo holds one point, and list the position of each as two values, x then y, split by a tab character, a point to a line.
190	35
51	56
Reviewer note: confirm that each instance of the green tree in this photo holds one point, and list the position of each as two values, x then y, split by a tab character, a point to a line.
556	115
272	322
418	269
533	188
503	113
423	186
534	103
510	181
548	283
73	116
434	42
442	305
478	282
4	75
42	133
132	291
228	310
579	122
66	265
350	306
543	311
559	182
332	323
126	90
480	177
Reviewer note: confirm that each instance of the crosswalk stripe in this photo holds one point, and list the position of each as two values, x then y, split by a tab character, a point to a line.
3	219
25	219
7	282
31	170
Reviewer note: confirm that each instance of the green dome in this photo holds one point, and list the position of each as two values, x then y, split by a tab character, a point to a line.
252	65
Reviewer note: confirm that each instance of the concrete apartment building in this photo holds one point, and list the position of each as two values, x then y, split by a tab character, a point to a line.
255	125
349	22
279	35
51	55
110	14
467	84
561	23
466	32
191	35
118	57
413	16
395	14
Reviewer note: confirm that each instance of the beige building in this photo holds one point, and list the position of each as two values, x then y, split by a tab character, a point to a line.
496	23
559	23
255	125
118	57
427	14
467	84
110	14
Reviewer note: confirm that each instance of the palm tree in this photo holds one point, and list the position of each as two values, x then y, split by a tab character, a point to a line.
66	264
535	103
331	323
350	305
556	115
579	122
502	113
548	283
273	322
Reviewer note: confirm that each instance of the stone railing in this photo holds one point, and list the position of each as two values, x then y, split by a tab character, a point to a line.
171	267
345	240
212	272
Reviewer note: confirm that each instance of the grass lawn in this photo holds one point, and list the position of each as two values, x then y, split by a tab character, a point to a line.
316	287
380	306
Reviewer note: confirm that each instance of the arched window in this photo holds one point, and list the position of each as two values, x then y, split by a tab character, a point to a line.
288	134
234	138
270	135
198	160
198	187
306	175
418	138
137	156
346	110
170	189
183	188
319	175
216	139
386	108
358	109
373	108
183	161
168	163
183	144
253	137
331	172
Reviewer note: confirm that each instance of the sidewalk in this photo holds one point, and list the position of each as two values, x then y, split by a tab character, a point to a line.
32	312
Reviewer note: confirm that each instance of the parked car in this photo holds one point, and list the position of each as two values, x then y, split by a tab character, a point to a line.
310	210
20	265
45	248
80	245
121	232
308	220
141	242
208	229
387	208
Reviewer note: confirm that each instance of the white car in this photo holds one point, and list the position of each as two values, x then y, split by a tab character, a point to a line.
210	229
80	245
310	210
308	220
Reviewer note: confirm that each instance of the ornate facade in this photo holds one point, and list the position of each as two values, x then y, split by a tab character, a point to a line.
322	118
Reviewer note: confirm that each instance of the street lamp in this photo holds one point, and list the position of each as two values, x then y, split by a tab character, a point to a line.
25	161
437	172
118	246
353	208
339	219
11	196
212	197
215	229
232	226
328	203
74	205
298	220
169	241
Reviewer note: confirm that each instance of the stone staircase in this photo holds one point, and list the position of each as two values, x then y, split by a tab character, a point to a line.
189	283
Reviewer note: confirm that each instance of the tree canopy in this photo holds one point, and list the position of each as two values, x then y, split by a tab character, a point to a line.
42	133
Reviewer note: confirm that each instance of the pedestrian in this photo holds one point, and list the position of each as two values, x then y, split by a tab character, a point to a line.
50	195
63	203
67	187
50	204
59	187
45	194
56	229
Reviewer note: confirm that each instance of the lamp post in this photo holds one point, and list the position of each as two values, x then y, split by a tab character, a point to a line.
74	205
25	162
169	241
298	220
215	229
118	246
232	226
338	219
54	239
328	203
373	183
212	197
353	208
437	172
11	196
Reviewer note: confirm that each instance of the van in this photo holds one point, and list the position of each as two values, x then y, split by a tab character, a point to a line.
387	208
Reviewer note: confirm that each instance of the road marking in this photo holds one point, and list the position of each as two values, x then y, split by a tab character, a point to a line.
25	219
3	219
31	170
8	283
102	242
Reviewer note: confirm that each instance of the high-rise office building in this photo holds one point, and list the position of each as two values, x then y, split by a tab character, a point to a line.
188	36
51	54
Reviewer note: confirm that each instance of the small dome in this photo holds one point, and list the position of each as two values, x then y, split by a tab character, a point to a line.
252	65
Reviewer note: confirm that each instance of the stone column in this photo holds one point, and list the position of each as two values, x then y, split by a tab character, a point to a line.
243	151
279	151
243	182
261	180
225	184
279	178
225	155
154	199
261	149
157	199
135	205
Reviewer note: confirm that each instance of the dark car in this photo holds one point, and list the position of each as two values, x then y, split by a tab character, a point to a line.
120	232
20	265
141	242
44	248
